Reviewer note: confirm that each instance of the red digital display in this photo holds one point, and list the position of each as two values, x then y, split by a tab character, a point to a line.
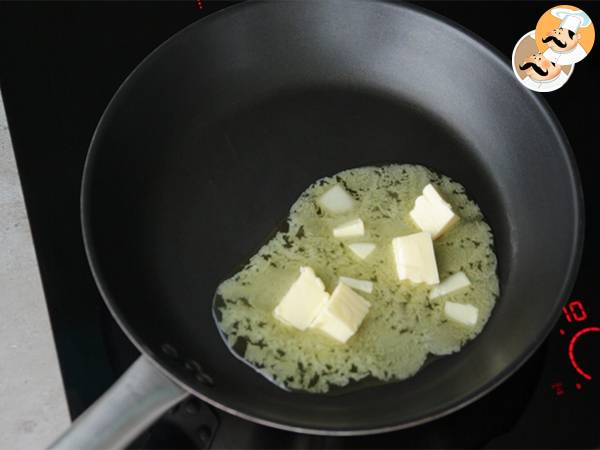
575	313
576	328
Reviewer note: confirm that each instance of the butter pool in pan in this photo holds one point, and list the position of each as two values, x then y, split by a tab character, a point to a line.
406	320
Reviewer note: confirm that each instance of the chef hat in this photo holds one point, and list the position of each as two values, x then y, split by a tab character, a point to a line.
571	19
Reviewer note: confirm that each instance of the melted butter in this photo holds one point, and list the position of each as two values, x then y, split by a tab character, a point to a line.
403	329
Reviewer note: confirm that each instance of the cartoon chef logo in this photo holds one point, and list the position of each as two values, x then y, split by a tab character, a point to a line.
544	59
567	34
534	70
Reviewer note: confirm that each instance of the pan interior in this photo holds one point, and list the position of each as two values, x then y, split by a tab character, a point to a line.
201	207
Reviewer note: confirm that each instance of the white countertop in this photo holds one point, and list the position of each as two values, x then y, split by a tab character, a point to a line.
32	399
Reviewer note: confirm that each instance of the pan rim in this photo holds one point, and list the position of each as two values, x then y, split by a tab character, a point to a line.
567	286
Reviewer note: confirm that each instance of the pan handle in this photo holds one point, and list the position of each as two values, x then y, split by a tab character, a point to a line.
136	400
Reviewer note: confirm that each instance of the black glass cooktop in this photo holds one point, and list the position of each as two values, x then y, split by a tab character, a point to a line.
60	63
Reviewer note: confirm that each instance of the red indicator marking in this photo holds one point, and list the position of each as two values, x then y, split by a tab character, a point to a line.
200	4
578	386
561	331
578	311
567	315
558	388
572	346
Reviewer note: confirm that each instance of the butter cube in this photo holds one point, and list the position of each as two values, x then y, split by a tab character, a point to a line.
303	301
342	315
451	284
432	213
352	228
415	259
361	285
463	314
362	249
336	200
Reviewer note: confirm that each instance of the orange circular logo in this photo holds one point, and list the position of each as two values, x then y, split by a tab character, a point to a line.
565	34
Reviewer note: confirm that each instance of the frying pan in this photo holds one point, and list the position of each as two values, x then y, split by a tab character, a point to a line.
205	146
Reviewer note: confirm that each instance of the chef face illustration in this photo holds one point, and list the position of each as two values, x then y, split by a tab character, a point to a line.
539	68
563	43
561	39
544	59
534	70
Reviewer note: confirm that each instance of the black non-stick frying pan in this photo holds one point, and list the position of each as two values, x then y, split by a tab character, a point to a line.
205	146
